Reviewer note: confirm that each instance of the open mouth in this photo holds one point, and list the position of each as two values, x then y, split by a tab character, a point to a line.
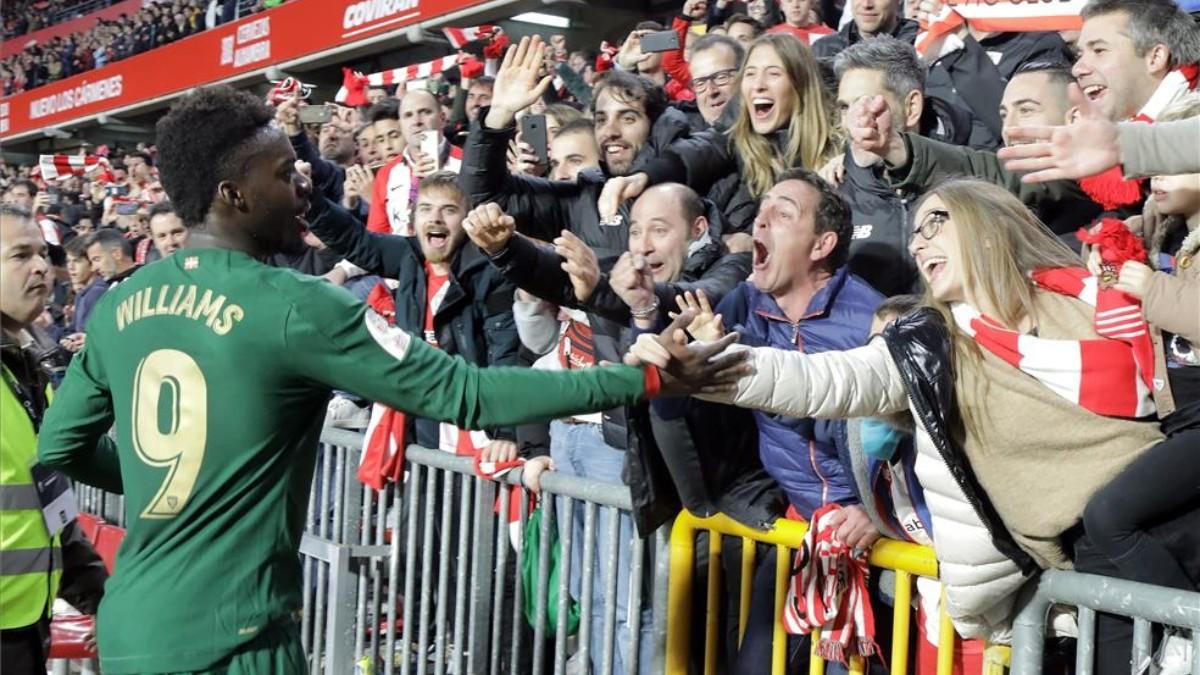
1158	195
1095	92
762	255
932	267
762	108
655	267
437	239
614	149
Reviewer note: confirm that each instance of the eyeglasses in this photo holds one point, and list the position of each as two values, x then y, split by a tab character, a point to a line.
719	78
932	224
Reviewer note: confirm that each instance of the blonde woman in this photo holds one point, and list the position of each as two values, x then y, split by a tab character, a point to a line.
1005	442
784	119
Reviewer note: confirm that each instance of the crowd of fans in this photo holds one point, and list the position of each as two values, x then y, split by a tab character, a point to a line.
26	16
156	24
810	187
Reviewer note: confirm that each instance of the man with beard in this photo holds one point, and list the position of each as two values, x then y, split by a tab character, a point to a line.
448	293
219	480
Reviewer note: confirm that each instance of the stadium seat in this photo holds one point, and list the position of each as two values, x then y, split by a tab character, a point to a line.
108	540
89	525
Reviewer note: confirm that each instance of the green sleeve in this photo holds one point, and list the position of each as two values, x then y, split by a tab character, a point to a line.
339	343
930	162
73	437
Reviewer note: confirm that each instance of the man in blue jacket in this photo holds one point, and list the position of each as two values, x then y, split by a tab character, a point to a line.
801	295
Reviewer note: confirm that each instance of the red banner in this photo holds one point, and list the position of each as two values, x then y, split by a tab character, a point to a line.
290	31
84	23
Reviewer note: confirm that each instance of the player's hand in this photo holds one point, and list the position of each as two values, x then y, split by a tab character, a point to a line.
519	83
631	281
617	190
579	261
1087	147
531	473
853	527
287	114
499	451
696	367
89	642
489	228
707	326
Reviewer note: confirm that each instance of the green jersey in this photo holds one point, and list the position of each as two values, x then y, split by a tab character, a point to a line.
215	371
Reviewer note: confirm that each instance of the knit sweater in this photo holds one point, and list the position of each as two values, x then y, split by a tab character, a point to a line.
1039	456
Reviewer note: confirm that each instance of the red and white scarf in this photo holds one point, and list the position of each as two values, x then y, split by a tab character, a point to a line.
828	591
461	36
1110	188
61	167
1110	376
353	91
1000	17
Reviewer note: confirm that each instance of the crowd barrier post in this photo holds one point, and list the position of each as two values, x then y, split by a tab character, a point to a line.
907	560
1145	604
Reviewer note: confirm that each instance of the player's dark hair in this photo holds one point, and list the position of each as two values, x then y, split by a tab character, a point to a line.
198	139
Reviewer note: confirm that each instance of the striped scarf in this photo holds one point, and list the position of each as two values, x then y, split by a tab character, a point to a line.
60	167
828	591
1110	376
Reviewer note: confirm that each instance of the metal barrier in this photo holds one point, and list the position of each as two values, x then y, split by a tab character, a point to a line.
1145	604
421	578
906	559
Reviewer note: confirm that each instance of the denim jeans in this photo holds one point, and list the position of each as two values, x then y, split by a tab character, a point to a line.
580	450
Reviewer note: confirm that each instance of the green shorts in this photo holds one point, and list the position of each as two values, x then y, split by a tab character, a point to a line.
276	651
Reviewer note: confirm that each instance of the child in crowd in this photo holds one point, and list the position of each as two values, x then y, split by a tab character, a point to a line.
1165	481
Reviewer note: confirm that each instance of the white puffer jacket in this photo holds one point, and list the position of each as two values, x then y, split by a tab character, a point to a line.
981	582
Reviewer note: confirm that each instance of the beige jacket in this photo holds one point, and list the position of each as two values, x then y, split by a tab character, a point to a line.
1172	303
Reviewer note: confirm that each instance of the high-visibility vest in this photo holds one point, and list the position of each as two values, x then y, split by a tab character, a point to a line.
30	559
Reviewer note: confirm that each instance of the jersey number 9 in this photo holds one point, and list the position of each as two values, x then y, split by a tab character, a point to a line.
170	422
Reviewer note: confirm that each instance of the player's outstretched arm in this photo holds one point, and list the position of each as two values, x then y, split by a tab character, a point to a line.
73	437
382	254
358	352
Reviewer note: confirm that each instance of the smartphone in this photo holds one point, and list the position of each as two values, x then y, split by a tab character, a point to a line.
662	41
127	208
428	143
316	114
533	132
53	196
117	190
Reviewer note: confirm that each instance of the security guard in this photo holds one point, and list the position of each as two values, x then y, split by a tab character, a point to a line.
32	541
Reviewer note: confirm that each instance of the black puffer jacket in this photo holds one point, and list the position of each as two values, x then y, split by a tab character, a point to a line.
828	47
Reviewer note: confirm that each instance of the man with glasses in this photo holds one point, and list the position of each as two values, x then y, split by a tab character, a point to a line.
714	65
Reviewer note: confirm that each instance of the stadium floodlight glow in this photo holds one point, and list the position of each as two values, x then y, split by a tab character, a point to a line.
542	19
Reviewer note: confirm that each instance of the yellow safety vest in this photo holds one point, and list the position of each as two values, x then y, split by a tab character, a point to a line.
30	559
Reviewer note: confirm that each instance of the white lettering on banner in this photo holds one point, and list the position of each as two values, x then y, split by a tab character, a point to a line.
254	30
3	118
227	50
370	11
84	94
259	51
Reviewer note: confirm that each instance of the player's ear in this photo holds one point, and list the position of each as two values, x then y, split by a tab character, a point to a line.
230	194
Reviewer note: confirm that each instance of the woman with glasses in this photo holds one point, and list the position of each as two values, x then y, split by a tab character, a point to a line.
784	119
1022	409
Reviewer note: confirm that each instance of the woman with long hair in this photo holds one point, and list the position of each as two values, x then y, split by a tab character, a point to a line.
784	118
1023	410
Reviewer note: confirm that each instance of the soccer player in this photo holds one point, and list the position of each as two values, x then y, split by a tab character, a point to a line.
216	369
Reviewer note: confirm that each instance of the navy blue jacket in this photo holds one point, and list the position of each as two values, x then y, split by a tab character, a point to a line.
803	454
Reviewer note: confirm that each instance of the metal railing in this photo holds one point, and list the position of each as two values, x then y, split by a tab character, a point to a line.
421	577
907	560
1145	604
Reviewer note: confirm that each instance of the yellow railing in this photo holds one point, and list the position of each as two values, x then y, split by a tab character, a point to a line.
906	559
